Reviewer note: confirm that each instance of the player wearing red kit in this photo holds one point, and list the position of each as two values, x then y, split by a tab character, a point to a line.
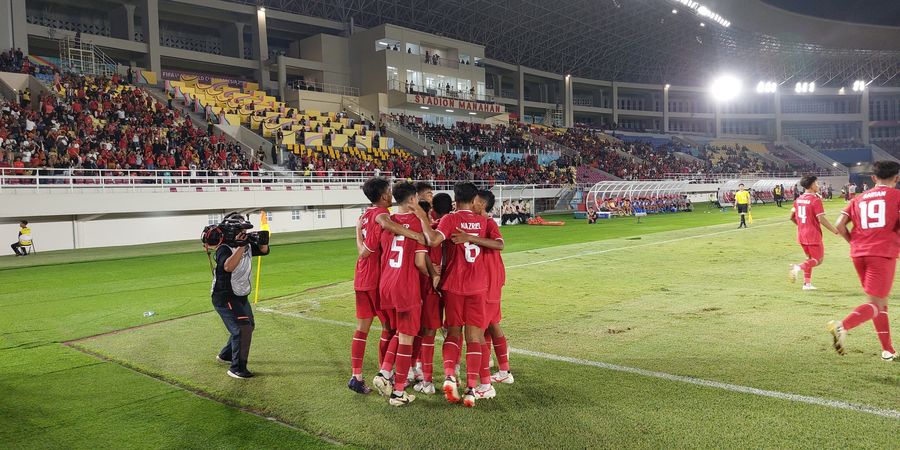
809	215
493	336
365	282
464	283
433	304
874	246
402	262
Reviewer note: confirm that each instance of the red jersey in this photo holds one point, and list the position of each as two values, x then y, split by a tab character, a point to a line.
466	272
876	220
367	269
807	209
399	285
497	274
435	254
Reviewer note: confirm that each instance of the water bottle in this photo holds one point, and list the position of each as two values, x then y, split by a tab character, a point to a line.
149	314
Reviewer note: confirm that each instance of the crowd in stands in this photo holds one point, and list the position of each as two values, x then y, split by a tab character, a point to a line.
446	166
830	144
104	123
475	136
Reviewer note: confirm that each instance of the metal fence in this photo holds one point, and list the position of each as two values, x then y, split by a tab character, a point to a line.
61	180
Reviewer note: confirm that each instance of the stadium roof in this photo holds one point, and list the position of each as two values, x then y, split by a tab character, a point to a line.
618	40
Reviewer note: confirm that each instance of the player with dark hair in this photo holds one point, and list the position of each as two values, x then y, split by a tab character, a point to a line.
368	235
433	304
874	246
809	215
402	262
464	285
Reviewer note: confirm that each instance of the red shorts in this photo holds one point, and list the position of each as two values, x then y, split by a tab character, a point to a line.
432	311
876	273
492	312
366	304
814	251
462	310
408	322
367	307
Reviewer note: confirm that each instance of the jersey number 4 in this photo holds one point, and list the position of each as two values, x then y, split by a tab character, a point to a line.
396	261
801	213
871	214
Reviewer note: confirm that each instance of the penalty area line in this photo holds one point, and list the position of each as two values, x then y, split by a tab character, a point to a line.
796	398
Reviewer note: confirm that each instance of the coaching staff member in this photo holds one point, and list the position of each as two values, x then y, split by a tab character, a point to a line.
231	286
742	201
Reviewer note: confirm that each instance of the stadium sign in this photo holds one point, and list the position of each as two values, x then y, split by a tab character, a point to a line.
454	103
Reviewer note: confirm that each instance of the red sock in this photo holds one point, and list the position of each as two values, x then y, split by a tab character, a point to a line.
416	349
473	364
450	352
386	336
883	328
426	354
859	315
390	355
807	267
404	359
485	363
357	351
502	353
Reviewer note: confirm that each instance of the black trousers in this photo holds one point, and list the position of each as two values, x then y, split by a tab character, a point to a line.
238	319
15	247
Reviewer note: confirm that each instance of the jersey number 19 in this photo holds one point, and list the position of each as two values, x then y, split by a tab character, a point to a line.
871	214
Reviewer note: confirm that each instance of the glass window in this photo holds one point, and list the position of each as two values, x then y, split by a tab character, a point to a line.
295	214
321	213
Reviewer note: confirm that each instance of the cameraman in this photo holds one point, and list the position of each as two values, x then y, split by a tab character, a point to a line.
231	286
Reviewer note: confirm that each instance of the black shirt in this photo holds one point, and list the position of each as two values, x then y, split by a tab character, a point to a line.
227	285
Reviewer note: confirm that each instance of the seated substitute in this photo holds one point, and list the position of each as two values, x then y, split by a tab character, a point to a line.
21	246
235	249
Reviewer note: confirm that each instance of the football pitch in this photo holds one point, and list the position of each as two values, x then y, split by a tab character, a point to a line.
680	331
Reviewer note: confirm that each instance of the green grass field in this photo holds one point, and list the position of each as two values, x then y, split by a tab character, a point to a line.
624	335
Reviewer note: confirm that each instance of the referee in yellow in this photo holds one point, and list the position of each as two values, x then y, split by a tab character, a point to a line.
742	202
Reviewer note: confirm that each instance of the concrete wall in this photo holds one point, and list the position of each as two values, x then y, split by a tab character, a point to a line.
74	233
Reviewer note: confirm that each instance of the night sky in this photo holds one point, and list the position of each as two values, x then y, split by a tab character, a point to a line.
876	12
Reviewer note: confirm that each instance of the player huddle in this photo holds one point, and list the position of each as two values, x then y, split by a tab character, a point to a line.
874	248
423	268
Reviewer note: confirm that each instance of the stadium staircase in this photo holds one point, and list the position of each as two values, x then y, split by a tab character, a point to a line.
402	136
879	154
246	138
808	154
590	175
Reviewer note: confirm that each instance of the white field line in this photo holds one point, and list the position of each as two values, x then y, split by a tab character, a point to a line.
818	401
646	244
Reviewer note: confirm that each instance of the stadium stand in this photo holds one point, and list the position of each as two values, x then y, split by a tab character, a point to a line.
104	123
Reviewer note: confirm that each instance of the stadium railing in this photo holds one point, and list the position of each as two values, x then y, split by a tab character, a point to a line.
722	177
327	88
201	181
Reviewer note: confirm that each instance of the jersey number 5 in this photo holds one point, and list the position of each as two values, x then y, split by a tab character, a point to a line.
397	248
871	214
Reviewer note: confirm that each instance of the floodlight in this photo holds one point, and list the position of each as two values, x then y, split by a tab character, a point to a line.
725	88
812	86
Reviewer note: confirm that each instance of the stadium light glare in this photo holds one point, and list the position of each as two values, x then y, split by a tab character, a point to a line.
841	91
766	87
424	107
674	11
262	9
472	113
449	110
812	87
667	86
702	24
859	86
725	88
